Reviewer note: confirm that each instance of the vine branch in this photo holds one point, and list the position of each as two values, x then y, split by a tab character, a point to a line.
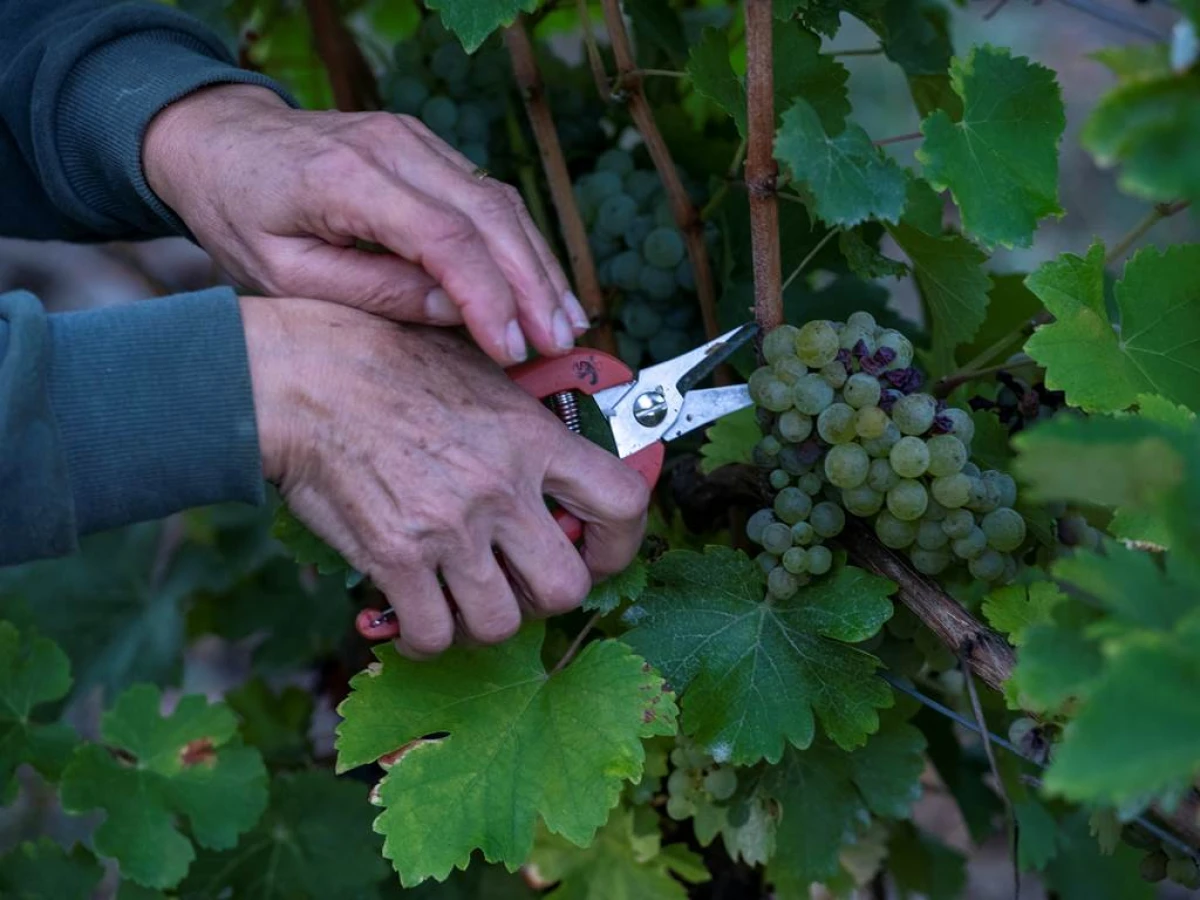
576	644
350	76
574	232
761	168
687	217
595	60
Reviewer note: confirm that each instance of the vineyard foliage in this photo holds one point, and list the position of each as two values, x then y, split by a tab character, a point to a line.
978	515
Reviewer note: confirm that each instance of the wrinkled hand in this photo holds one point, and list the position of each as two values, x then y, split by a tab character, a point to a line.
279	196
409	452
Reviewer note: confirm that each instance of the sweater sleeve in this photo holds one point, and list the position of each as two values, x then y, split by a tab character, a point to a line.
120	415
80	81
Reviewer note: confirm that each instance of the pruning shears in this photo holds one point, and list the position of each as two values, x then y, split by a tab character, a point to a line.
644	410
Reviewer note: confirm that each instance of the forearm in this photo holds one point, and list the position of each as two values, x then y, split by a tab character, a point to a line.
120	415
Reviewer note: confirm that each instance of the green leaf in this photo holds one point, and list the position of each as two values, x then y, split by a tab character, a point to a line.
473	21
924	866
730	440
752	672
277	724
1129	585
1010	306
866	261
1017	607
313	843
44	871
1054	664
305	547
851	179
1103	369
915	34
610	593
1000	161
1081	872
949	272
188	764
617	865
33	672
521	743
712	75
747	823
1038	837
479	882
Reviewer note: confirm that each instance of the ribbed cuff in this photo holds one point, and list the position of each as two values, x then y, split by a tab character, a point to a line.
107	102
155	407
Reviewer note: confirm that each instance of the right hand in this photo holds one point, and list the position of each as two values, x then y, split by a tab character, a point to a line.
412	454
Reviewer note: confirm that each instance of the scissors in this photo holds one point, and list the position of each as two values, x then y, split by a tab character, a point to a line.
658	404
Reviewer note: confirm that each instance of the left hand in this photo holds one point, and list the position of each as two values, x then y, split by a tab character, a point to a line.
279	196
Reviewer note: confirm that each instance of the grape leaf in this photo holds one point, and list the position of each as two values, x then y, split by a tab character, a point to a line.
314	841
610	593
1055	663
1000	161
866	261
33	672
309	550
949	272
712	75
752	672
276	724
1159	325
188	764
479	882
1010	305
131	891
747	822
617	865
1014	608
1081	872
851	180
923	866
1037	839
522	743
44	871
730	440
827	796
473	21
915	35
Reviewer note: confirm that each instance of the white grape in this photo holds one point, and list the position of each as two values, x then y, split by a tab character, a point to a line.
862	501
871	422
1004	528
913	413
819	560
795	426
780	343
811	394
836	424
947	455
817	343
827	520
910	457
881	476
952	491
907	500
893	532
861	390
846	465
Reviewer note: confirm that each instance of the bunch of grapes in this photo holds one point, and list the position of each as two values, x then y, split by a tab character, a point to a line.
461	97
696	780
854	434
641	257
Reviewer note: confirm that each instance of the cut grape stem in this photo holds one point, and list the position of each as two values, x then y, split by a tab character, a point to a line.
946	386
576	644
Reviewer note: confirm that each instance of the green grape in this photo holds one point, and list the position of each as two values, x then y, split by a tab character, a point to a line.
624	270
907	500
796	560
862	390
658	284
792	505
846	465
958	523
757	522
614	215
972	545
987	566
803	534
629	348
910	457
881	476
476	152
406	95
721	783
1020	729
595	187
780	343
679	782
893	532
685	276
836	425
615	160
770	445
862	320
935	512
952	491
1003	486
795	426
473	124
635	234
947	455
984	497
1004	528
834	374
768	391
439	113
898	342
862	501
851	337
680	808
931	535
603	247
827	519
1184	871
767	561
642	321
962	427
819	560
779	479
882	446
789	370
663	248
871	423
929	562
782	584
450	62
971	470
792	461
811	394
810	483
777	538
817	343
663	217
913	413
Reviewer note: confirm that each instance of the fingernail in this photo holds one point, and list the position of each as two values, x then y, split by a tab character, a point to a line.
564	337
516	341
439	308
575	311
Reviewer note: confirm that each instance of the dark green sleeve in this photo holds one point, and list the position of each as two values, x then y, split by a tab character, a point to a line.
120	415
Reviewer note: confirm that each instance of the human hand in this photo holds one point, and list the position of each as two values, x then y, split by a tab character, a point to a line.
410	453
279	196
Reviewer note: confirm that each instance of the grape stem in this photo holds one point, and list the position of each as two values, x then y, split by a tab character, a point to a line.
595	60
662	73
687	217
1157	214
576	644
571	225
911	136
350	76
808	257
761	168
860	51
945	386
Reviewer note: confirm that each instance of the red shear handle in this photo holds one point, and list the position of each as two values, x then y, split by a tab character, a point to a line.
586	371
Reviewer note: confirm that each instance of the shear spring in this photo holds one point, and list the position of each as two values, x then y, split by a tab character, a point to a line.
566	407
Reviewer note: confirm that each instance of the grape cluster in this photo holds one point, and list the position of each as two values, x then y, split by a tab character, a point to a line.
640	257
461	97
696	780
854	434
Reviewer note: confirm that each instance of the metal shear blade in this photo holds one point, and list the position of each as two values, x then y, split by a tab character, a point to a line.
661	404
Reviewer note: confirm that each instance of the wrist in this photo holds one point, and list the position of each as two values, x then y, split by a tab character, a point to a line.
267	351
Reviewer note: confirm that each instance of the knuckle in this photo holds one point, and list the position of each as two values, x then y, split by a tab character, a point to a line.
450	226
494	202
497	625
379	126
430	639
565	591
